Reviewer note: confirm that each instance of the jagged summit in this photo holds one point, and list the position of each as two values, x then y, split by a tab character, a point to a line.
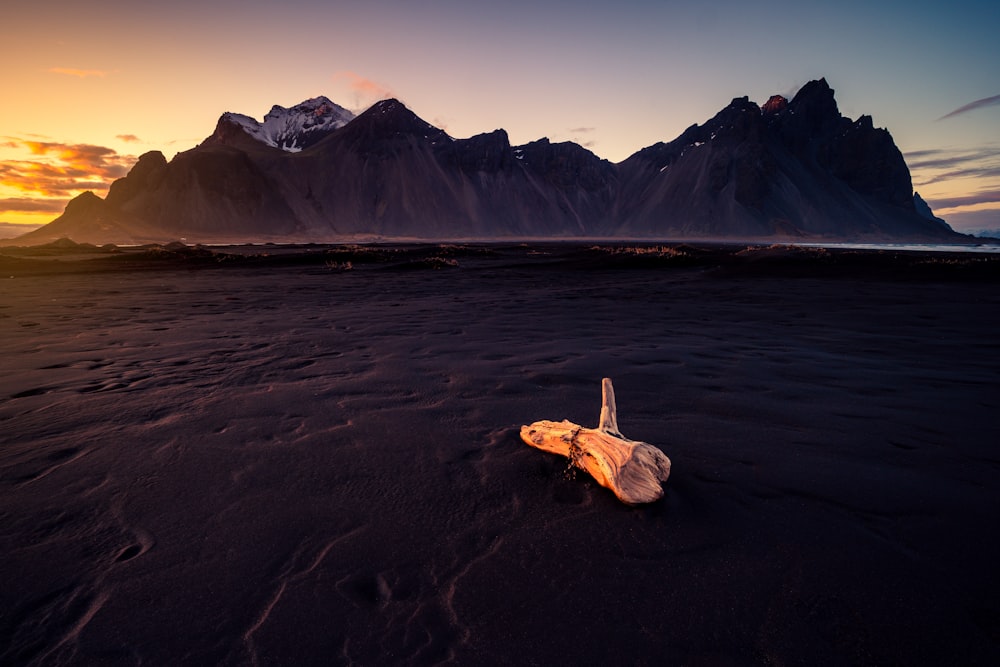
815	102
391	115
83	202
790	169
389	105
775	104
388	125
292	129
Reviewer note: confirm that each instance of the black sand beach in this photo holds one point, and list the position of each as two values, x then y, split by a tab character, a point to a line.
310	456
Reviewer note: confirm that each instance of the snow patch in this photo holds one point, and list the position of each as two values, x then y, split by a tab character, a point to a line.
295	128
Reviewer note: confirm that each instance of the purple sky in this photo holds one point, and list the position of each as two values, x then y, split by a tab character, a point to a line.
613	76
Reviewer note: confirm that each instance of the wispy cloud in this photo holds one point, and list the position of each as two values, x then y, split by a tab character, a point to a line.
580	133
933	166
986	171
128	138
971	106
32	205
366	91
947	159
79	73
974	199
788	90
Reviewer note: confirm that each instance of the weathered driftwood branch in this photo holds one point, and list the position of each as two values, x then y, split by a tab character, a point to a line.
632	470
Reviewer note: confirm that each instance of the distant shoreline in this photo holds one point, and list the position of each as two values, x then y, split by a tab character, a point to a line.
890	261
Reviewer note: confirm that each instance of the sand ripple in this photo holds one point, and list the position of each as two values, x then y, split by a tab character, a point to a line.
285	464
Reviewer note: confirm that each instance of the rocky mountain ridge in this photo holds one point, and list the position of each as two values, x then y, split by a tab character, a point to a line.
291	129
788	170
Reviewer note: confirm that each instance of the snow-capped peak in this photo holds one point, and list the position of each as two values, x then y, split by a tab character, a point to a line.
296	128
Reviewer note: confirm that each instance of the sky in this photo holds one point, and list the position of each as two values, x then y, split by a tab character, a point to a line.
85	88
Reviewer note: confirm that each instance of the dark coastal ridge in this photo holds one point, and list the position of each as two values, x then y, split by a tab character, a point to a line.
787	170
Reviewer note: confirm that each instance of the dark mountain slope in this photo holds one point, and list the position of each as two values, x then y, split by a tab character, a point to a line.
390	173
792	169
788	170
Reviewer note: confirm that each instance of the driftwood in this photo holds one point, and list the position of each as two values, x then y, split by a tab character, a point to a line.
632	470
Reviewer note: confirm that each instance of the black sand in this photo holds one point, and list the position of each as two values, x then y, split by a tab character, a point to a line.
212	458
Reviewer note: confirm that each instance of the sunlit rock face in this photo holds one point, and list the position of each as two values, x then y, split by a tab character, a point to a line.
775	104
792	169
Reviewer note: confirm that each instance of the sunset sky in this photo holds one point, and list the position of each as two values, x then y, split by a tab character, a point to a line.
88	87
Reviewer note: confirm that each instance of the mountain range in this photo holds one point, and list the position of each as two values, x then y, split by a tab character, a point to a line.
785	170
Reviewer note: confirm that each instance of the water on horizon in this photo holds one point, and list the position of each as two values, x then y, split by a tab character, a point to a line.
922	247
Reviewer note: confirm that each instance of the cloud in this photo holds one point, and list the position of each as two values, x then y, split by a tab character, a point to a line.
128	138
84	159
974	199
32	205
932	166
936	159
924	153
366	91
61	169
978	104
80	73
589	131
47	174
970	172
787	90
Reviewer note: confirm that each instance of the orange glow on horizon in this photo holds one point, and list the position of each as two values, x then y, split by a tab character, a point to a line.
39	177
968	208
29	220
